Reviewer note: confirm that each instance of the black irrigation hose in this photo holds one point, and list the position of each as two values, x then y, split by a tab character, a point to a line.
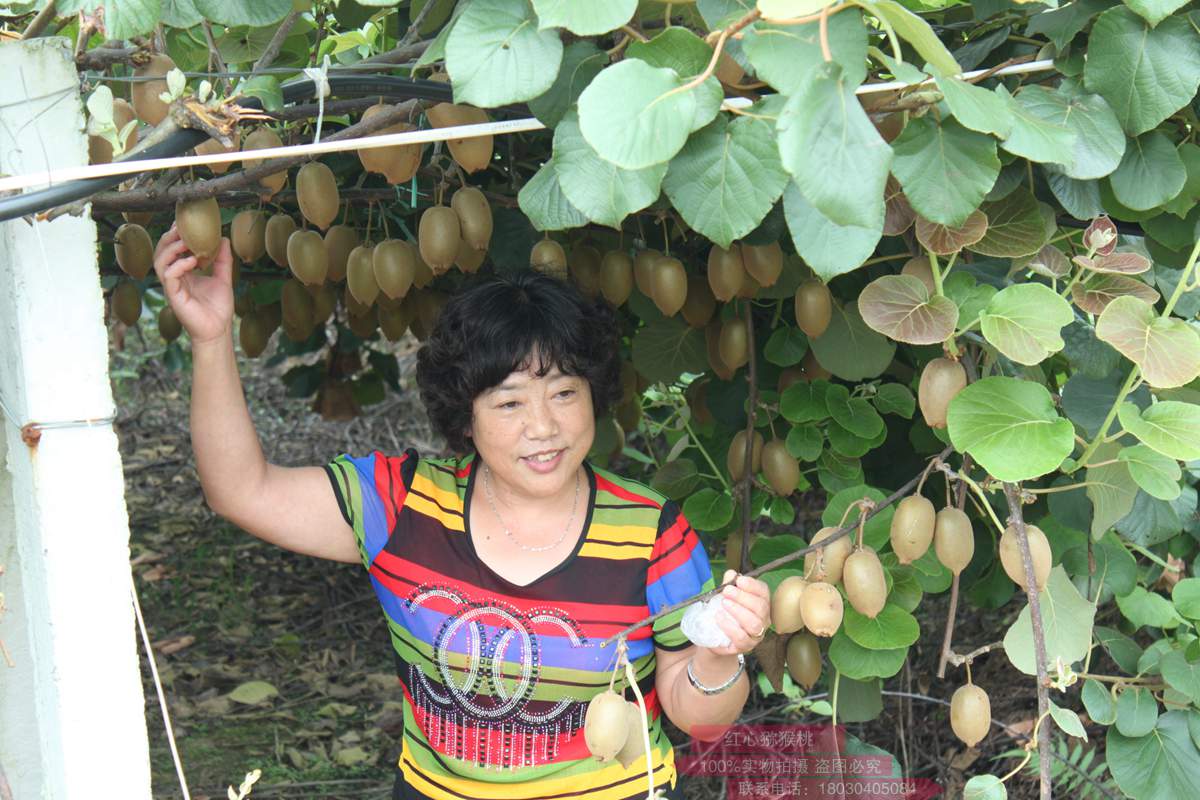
384	86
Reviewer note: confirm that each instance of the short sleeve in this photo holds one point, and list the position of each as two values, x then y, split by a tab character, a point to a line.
679	570
370	492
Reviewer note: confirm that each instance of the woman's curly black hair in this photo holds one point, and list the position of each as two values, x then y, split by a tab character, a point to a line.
490	330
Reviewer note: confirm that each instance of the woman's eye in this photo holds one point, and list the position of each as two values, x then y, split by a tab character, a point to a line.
509	404
566	392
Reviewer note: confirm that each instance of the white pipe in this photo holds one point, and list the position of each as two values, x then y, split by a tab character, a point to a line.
40	179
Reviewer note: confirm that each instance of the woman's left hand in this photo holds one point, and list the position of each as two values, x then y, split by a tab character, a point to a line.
747	607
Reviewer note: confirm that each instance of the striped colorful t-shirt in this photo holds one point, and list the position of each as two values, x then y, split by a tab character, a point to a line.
496	676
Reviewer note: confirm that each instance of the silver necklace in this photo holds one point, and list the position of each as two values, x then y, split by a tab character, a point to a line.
487	485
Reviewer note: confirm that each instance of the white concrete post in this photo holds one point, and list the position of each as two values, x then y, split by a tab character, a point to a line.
72	712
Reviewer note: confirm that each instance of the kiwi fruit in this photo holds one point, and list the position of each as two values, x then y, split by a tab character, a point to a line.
549	257
248	235
317	194
126	302
297	304
471	154
789	376
616	277
147	104
629	387
826	563
821	607
360	275
100	150
700	305
262	139
803	658
583	265
629	415
135	251
912	528
668	285
395	263
970	714
273	314
643	270
393	322
474	216
364	326
307	257
243	304
1039	551
733	550
634	747
813	371
211	147
814	307
606	725
439	236
398	163
423	275
726	272
335	401
865	584
698	402
736	459
339	241
142	218
941	380
279	230
764	263
749	288
780	468
353	307
428	306
728	71
324	302
468	259
953	539
168	324
254	333
734	344
785	605
199	224
712	341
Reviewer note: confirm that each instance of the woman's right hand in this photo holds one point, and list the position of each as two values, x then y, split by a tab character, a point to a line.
203	304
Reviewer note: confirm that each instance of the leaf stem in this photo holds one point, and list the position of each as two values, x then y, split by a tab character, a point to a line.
824	34
1183	281
704	451
722	37
936	270
1156	559
1108	420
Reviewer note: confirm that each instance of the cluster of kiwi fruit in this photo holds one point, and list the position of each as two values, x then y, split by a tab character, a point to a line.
779	467
612	728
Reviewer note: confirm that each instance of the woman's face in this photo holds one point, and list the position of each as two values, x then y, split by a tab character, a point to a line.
526	419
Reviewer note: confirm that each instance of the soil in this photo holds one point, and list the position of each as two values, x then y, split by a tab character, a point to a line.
224	609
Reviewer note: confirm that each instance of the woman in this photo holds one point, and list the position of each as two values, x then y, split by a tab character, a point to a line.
501	569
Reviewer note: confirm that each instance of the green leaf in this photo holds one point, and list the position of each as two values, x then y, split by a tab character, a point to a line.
726	178
1098	702
633	116
676	48
1181	204
1169	426
180	14
768	548
1186	597
805	442
829	248
895	398
1123	650
667	348
581	62
496	55
676	479
542	200
1015	227
786	347
946	170
1155	11
1145	608
265	88
1166	350
832	150
1150	174
1010	426
1023	321
1181	674
878	527
1162	764
855	414
899	306
985	787
1137	712
708	509
1155	473
785	55
1067	720
124	19
915	31
1111	489
975	107
1146	74
1066	621
253	693
858	662
1114	564
602	191
1080	199
851	350
1036	138
255	13
893	628
1099	140
970	297
805	401
584	19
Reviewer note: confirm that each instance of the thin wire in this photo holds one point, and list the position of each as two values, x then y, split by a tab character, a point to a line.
375	67
162	699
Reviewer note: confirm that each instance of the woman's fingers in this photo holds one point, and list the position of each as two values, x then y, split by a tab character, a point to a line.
171	236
